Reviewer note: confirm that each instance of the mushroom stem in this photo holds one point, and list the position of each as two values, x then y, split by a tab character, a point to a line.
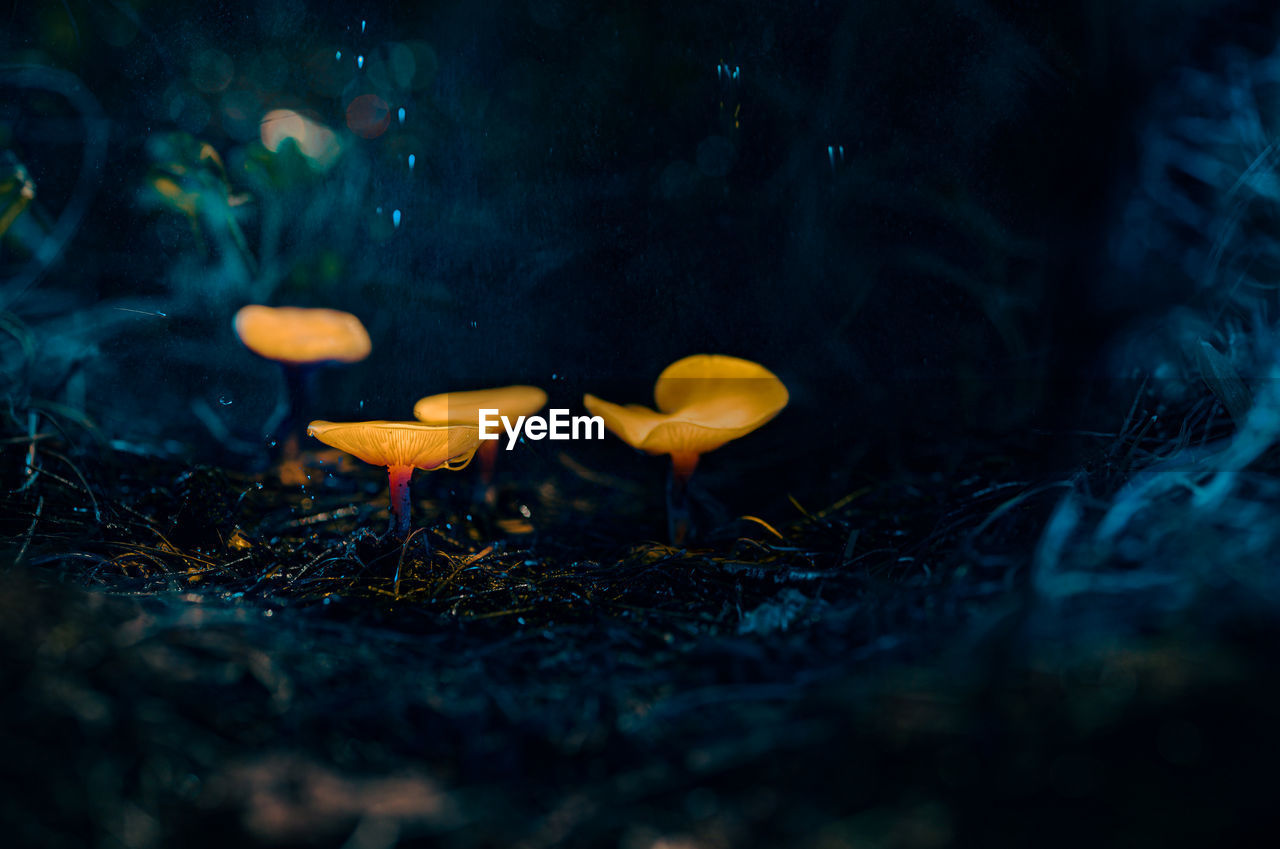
399	477
679	516
285	436
485	493
488	454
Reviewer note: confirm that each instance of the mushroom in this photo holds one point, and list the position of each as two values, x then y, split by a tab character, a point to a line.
401	447
300	340
465	407
703	402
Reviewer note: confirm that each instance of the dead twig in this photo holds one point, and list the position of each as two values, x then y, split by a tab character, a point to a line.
31	530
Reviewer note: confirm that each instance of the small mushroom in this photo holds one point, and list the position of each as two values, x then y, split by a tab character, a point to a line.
401	447
301	340
465	407
703	402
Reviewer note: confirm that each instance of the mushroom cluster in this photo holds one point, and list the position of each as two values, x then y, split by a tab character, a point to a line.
702	402
446	436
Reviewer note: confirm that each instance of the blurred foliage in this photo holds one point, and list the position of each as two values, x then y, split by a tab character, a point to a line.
1196	252
188	177
16	190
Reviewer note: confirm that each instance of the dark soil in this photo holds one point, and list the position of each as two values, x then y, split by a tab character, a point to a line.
193	656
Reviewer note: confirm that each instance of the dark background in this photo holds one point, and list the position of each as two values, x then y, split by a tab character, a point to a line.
585	207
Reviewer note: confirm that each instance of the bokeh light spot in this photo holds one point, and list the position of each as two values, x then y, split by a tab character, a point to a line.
316	141
280	124
190	112
212	71
401	64
368	116
425	63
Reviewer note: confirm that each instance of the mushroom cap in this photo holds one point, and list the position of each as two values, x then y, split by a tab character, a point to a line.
382	443
703	402
302	336
465	407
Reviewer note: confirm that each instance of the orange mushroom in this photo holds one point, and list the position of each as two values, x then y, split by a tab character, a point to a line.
465	407
703	402
301	340
401	447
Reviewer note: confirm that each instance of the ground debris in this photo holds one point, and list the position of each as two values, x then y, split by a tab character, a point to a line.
235	661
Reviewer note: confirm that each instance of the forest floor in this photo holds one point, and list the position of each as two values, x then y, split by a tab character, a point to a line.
195	656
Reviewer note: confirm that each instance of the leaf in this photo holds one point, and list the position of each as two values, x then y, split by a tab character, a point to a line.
17	190
1223	380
